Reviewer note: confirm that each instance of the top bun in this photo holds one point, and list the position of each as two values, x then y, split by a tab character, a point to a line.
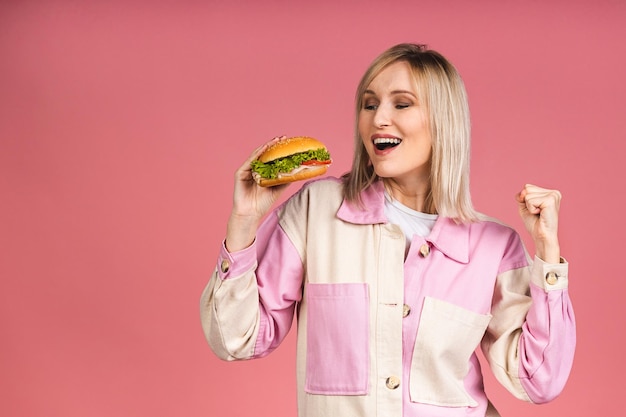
290	146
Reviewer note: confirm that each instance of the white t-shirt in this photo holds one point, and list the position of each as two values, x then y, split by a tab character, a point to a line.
411	222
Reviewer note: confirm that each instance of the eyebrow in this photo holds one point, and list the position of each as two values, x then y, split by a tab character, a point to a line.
394	92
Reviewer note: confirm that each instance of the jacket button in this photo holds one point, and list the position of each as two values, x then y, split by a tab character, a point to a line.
225	266
392	382
552	278
406	310
424	250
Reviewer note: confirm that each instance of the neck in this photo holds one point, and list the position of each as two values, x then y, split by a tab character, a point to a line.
416	197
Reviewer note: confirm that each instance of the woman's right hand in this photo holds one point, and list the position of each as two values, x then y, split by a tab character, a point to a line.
251	203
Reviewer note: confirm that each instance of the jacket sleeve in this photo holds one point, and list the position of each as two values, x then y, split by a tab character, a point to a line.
531	338
247	308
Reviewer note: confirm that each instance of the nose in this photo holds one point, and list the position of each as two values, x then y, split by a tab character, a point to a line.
382	117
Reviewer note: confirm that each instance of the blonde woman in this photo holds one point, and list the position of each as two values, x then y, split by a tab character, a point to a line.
395	278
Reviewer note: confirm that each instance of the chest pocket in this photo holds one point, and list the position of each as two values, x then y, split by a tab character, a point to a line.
446	338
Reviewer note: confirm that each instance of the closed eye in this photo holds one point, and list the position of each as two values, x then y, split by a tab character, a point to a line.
370	106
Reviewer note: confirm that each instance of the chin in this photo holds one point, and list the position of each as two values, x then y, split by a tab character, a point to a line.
387	171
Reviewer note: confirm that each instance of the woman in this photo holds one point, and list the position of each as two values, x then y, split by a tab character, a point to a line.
395	278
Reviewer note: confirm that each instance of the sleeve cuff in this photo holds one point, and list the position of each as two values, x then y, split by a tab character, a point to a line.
548	276
235	263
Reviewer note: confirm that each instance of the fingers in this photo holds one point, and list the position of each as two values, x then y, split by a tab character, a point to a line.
244	171
535	199
539	209
258	151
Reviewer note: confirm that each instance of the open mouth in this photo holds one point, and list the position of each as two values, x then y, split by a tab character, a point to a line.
385	143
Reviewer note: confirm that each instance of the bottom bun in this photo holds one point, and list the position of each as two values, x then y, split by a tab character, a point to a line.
305	174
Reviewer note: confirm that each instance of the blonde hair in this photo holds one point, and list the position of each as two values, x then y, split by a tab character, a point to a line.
442	91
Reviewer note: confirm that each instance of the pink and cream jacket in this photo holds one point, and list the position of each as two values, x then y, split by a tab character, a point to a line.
381	335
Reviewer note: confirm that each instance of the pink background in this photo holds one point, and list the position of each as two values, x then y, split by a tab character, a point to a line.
121	124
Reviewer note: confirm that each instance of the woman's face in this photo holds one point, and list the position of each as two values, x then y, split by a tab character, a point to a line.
394	126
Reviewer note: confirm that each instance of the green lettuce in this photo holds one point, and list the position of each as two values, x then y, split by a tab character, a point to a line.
288	163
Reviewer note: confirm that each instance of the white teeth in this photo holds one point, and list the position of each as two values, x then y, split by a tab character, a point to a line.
386	140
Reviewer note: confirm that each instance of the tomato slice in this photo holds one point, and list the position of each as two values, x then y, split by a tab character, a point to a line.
316	162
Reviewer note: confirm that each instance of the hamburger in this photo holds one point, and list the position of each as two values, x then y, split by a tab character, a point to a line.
291	159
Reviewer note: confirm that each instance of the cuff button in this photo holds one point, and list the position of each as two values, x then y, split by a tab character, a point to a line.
225	266
552	278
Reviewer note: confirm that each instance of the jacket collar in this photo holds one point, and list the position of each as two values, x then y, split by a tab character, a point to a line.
449	237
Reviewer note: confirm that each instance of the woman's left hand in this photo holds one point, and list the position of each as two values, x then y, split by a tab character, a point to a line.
539	209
